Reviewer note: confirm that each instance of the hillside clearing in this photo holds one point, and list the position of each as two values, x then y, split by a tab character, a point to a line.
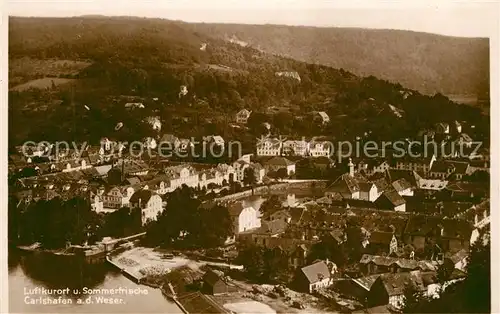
23	70
43	83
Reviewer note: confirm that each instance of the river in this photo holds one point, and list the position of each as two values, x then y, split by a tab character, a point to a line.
29	273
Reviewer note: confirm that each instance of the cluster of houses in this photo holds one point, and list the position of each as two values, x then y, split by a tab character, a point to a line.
411	223
272	146
408	216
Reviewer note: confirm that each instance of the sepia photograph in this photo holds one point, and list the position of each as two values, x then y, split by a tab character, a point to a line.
245	157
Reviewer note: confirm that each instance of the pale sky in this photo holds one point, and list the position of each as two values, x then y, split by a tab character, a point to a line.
455	18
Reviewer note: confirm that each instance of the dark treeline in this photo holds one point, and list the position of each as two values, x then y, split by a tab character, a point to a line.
57	222
184	224
153	58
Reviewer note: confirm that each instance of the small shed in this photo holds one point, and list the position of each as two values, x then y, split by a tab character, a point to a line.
214	283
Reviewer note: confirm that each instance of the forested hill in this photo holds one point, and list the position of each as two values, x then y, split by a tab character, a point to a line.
426	62
112	61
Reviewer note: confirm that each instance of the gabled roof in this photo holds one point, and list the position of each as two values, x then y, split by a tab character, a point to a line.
142	195
273	226
273	143
324	116
458	256
366	282
410	176
365	186
244	112
347	184
211	277
337	234
279	161
431	225
393	197
401	185
316	272
235	208
395	283
381	184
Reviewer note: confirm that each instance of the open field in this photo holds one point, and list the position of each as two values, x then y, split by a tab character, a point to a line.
50	67
23	70
43	83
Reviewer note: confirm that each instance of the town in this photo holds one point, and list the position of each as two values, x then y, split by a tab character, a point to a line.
157	165
290	226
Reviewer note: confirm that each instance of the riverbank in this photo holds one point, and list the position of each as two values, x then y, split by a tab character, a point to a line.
141	263
30	272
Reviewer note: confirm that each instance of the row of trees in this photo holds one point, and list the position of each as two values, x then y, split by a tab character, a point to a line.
263	264
54	223
57	222
134	65
185	224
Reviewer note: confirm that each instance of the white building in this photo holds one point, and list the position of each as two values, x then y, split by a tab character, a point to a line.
154	122
112	198
243	219
295	147
149	203
319	148
180	175
242	116
314	277
269	147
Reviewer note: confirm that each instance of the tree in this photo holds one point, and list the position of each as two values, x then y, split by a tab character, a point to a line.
187	224
123	222
249	177
55	222
263	264
327	248
215	226
281	173
251	257
270	206
275	265
444	270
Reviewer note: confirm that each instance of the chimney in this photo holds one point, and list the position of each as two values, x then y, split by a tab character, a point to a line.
351	168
